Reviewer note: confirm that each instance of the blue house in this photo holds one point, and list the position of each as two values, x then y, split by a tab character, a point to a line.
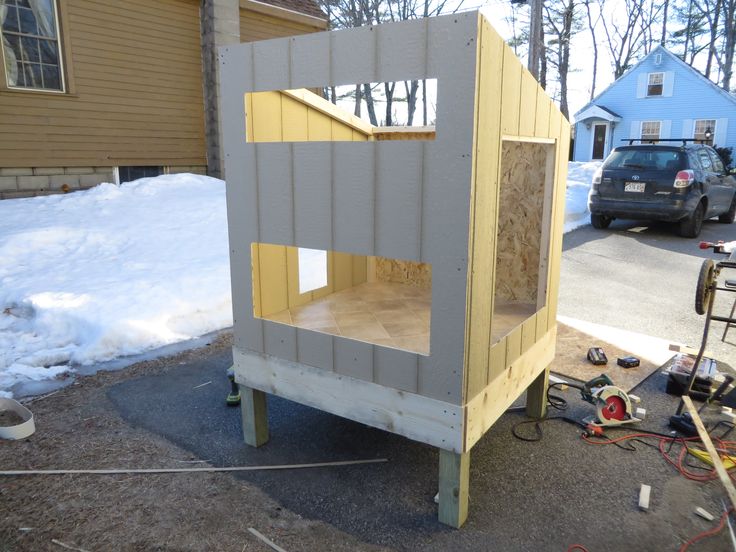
660	97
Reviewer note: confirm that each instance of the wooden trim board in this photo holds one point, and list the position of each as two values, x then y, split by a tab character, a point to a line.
419	418
488	405
717	462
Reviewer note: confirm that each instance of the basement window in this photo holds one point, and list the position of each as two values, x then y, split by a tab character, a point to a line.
128	174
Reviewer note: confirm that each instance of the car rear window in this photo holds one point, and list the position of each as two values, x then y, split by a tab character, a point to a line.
653	160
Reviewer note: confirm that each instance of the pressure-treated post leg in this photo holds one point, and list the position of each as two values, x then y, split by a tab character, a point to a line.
454	483
536	396
255	416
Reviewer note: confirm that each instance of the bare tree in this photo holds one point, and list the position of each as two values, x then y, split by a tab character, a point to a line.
629	34
592	24
721	19
691	32
561	23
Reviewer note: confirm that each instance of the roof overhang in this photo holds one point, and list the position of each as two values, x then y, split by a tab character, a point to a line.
596	112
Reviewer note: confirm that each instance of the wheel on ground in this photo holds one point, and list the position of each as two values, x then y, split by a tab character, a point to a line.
691	226
704	289
729	216
600	221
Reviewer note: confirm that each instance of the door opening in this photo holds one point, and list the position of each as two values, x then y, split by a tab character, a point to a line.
599	141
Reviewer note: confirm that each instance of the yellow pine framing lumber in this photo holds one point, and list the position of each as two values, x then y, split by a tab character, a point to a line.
705	437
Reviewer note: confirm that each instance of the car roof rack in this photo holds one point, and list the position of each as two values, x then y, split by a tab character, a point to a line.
683	140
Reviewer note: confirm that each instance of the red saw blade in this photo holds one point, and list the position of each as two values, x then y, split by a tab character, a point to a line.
615	409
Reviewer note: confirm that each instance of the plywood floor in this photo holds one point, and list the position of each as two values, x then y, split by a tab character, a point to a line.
571	359
382	313
507	316
392	315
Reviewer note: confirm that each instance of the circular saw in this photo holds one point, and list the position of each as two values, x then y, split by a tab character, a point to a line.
613	404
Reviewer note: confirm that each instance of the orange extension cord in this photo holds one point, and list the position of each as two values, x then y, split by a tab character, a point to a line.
678	462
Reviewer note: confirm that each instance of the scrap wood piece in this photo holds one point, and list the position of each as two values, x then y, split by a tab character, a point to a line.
705	438
68	546
265	540
644	493
192	470
705	514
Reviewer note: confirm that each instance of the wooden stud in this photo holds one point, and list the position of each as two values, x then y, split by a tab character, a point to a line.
715	457
454	484
254	411
536	396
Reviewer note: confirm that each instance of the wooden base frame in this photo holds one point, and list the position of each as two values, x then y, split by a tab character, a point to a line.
454	485
255	416
536	396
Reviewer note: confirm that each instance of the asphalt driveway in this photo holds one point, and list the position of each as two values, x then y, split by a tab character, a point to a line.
641	277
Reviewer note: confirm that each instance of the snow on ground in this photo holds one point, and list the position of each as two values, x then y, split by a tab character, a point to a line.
119	270
112	271
579	177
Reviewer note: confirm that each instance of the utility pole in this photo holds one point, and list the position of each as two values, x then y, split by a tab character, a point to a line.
535	36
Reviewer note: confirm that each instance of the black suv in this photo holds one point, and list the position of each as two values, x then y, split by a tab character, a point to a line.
676	183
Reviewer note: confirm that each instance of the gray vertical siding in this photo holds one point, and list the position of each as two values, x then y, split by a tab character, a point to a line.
406	200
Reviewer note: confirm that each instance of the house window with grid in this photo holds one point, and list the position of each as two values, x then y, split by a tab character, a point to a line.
650	131
704	131
656	84
30	44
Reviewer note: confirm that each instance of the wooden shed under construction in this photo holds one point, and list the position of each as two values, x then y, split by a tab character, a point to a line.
435	307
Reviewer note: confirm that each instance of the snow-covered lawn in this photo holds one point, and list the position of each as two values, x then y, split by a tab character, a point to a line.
112	271
119	270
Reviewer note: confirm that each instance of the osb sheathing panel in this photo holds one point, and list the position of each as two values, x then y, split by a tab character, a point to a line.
398	271
521	202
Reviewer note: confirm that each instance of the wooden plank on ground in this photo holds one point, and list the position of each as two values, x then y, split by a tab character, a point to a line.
717	462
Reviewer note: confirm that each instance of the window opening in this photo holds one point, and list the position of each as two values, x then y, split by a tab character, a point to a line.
312	269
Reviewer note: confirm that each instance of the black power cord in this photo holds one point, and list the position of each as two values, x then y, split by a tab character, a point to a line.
555	402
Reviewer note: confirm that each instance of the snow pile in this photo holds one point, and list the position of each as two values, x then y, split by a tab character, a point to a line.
112	271
579	177
119	270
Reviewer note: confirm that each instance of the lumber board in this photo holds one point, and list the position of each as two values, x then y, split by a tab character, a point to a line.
528	107
717	462
454	483
511	92
254	413
536	396
484	209
488	405
423	419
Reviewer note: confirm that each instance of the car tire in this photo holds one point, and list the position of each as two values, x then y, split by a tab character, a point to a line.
691	226
703	292
729	216
601	222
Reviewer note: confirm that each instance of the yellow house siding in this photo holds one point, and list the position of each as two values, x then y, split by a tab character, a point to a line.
137	95
258	26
